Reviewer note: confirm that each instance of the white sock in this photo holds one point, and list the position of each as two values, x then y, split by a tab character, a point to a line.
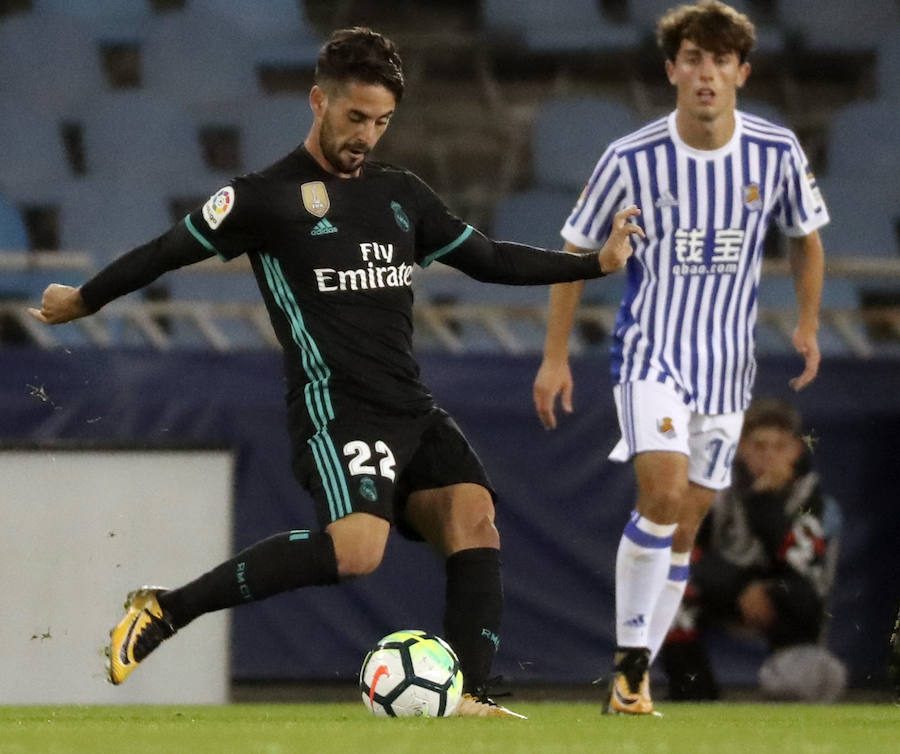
642	565
668	602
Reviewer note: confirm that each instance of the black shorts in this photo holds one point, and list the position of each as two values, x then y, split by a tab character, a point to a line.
370	463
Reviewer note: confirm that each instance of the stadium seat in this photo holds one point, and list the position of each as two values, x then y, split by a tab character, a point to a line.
887	71
198	60
862	143
48	60
108	217
278	29
108	20
569	135
864	216
560	26
136	135
533	217
13	233
837	24
32	158
270	127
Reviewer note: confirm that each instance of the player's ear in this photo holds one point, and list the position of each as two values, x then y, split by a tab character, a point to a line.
743	74
318	100
670	70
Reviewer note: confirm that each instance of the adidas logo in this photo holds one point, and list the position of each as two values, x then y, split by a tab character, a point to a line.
636	622
665	199
322	227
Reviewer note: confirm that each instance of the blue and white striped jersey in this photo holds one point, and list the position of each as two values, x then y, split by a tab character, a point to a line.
689	308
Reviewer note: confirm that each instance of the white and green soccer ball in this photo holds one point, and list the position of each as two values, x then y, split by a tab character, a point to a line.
411	674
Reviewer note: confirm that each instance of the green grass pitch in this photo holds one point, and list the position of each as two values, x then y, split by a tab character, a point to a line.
551	727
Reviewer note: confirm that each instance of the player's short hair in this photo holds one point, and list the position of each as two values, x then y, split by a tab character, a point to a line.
710	24
362	55
772	412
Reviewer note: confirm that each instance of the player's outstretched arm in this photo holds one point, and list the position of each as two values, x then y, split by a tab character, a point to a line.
59	304
521	264
135	269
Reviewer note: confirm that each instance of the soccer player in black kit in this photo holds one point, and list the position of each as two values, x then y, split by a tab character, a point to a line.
332	238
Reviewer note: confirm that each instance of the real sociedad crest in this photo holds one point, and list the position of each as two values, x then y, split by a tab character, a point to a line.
752	198
315	198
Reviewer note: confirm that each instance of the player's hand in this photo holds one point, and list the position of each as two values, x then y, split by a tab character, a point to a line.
60	303
755	605
553	379
807	345
617	249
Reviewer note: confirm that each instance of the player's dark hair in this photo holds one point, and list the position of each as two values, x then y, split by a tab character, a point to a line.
710	24
362	55
772	412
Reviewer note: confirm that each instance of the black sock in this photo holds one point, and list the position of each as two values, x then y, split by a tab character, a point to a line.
285	561
474	608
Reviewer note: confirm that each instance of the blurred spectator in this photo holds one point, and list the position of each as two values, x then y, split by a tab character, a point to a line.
763	566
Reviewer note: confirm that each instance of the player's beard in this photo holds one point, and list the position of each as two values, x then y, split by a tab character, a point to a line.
341	160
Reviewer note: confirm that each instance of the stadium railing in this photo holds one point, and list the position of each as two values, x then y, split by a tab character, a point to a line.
450	323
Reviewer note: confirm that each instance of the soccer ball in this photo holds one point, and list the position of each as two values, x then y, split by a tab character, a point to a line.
411	674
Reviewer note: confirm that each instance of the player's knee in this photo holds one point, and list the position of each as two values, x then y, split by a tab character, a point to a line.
662	504
358	560
474	525
359	543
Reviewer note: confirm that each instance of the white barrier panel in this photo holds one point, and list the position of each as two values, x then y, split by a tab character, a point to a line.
79	529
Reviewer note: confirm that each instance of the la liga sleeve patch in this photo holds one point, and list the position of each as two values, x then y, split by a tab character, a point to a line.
218	206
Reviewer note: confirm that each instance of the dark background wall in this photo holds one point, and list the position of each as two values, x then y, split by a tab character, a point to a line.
562	505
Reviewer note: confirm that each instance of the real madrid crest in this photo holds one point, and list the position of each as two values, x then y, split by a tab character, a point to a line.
315	198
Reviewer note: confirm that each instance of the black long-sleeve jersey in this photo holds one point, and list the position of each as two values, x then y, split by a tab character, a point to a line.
333	258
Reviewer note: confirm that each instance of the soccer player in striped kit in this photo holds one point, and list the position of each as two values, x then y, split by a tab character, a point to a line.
710	180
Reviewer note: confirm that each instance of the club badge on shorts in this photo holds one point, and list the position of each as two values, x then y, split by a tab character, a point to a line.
666	427
315	198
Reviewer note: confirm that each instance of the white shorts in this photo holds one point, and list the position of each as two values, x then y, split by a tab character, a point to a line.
653	416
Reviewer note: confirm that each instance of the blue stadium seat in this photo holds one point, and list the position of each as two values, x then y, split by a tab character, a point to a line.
13	233
536	217
270	127
48	60
533	217
560	26
864	216
278	29
32	158
837	24
138	136
887	72
862	142
570	134
198	60
108	20
107	217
